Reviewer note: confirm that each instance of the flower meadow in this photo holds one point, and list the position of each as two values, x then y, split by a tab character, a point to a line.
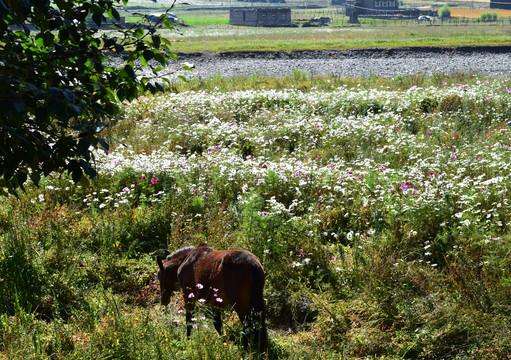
381	214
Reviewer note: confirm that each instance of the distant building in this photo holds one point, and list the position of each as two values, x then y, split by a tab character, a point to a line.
105	23
252	16
371	7
500	4
383	9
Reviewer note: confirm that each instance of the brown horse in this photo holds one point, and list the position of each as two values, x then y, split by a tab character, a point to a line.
221	279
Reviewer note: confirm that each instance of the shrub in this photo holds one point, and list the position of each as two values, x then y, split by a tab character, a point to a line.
445	11
488	16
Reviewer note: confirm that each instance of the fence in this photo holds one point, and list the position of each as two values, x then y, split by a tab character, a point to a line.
338	15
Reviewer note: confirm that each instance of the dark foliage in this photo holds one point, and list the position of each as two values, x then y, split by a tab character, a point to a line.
58	88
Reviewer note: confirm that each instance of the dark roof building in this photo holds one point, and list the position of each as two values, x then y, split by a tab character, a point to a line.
383	9
371	7
252	16
500	4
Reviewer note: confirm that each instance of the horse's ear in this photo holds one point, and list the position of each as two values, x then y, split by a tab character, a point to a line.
160	263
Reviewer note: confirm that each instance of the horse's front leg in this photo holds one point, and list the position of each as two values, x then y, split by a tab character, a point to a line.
190	311
217	320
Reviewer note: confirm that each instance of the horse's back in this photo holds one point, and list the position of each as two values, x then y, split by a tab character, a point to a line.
234	276
234	267
243	279
237	259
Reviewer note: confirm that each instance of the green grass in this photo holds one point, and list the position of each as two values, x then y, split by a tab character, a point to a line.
218	39
204	21
378	207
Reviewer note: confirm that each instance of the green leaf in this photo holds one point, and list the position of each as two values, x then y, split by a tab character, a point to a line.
169	24
103	143
48	38
40	42
139	32
148	55
143	61
113	13
166	41
161	59
188	67
97	18
76	174
129	70
156	40
119	48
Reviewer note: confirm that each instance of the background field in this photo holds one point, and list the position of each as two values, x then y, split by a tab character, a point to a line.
208	29
375	35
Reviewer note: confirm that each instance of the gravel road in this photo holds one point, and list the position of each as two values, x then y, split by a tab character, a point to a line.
485	60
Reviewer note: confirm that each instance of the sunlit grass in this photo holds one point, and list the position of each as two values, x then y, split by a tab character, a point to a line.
204	20
219	39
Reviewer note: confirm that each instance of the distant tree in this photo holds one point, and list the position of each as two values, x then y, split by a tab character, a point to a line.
60	85
445	11
488	16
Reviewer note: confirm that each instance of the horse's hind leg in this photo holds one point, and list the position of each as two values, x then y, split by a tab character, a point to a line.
255	333
217	320
188	323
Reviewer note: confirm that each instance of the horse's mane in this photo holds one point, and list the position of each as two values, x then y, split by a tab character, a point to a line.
179	252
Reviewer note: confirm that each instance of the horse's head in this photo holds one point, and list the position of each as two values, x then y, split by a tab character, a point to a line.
168	279
167	273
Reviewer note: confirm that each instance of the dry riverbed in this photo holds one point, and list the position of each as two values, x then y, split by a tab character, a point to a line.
485	60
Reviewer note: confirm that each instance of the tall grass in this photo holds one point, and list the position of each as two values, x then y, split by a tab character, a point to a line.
378	207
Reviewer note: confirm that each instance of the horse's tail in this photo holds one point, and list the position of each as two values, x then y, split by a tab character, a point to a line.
257	313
